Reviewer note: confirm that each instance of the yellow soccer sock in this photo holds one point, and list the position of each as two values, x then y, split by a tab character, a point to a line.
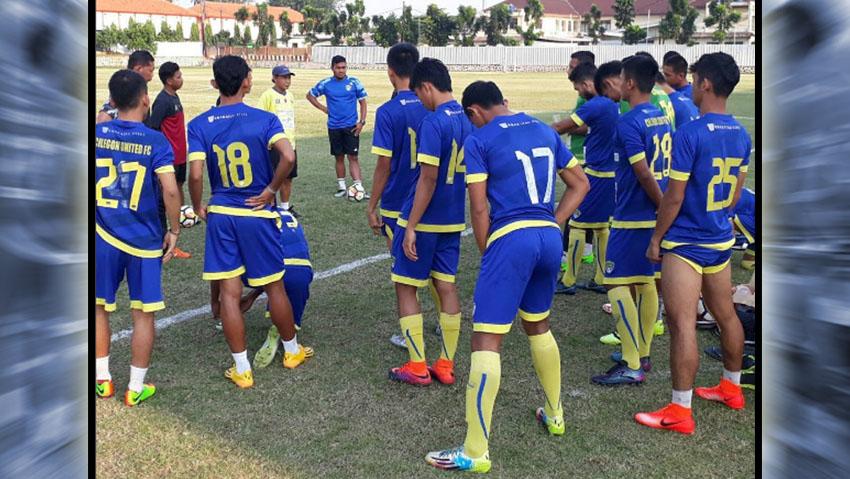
574	252
450	331
485	373
547	364
600	243
436	297
411	329
625	311
647	300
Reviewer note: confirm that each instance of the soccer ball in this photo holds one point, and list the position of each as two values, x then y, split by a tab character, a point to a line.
355	194
188	218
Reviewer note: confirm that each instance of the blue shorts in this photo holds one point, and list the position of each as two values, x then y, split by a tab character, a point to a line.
625	260
518	275
144	278
702	260
439	254
389	227
237	245
297	285
596	209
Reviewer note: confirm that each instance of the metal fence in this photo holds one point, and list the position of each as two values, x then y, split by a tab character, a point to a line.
510	58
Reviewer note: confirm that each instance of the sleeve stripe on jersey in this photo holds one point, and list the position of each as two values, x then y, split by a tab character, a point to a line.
476	178
165	169
573	163
679	175
377	150
275	138
197	156
576	119
637	157
428	159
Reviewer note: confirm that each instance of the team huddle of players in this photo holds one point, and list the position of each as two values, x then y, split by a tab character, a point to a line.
656	188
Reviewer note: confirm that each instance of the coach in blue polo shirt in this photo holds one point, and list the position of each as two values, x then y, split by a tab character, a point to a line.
343	93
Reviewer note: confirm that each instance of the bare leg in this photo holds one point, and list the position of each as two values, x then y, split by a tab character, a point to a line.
408	303
717	299
102	332
286	190
447	292
354	167
141	343
681	286
232	321
340	166
215	302
280	310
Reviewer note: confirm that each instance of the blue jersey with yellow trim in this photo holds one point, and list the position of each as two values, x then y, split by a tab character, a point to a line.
235	140
396	124
519	157
439	142
686	110
128	156
342	97
745	213
600	114
294	241
708	153
643	133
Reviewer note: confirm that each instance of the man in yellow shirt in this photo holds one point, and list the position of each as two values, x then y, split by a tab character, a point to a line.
279	100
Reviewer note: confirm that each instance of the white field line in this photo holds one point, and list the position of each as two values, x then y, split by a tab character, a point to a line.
203	310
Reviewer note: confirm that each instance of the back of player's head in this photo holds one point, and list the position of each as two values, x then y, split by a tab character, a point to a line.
584	56
668	55
432	71
643	54
167	70
337	59
229	72
659	78
606	70
485	94
642	70
126	88
401	58
676	62
719	68
139	58
583	72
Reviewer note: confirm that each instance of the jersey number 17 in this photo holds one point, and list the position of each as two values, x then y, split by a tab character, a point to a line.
527	168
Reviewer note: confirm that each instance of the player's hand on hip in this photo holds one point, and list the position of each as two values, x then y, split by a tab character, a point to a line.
169	242
410	244
653	252
375	222
260	201
202	213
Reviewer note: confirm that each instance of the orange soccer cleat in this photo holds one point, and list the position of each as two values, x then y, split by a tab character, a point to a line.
672	416
726	392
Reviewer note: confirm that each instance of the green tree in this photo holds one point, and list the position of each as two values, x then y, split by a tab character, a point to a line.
238	39
408	27
140	36
533	14
299	5
333	24
624	13
385	30
194	33
496	26
313	19
689	27
109	38
285	27
178	33
208	34
679	22
165	32
437	26
241	15
265	26
467	26
355	24
246	37
633	34
723	18
593	20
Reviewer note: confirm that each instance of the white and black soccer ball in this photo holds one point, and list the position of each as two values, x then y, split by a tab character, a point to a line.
355	194
188	218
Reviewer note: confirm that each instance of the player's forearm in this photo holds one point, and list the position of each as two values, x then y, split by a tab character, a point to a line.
363	111
650	186
742	178
671	203
480	224
102	117
171	198
577	188
422	198
196	183
284	167
379	181
315	102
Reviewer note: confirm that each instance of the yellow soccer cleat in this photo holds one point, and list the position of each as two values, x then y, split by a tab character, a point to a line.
555	425
244	380
292	361
658	328
104	389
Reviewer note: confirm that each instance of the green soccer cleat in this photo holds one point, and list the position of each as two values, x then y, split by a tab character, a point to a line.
132	398
588	259
265	355
456	460
612	339
555	425
104	389
658	328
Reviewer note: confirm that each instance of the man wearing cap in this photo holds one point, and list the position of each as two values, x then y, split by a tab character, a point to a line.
280	101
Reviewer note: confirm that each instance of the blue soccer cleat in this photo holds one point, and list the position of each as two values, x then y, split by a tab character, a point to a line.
456	460
620	375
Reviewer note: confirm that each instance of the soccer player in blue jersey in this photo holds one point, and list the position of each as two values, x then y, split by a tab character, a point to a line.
683	106
131	162
599	115
744	219
243	229
642	146
343	94
675	69
426	242
693	240
512	161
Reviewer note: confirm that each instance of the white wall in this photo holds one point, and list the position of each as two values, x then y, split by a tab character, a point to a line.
122	20
179	49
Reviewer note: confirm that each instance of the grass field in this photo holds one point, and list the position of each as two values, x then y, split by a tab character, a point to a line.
338	415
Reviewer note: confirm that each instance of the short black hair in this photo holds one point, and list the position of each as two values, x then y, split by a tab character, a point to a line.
229	72
643	54
668	55
584	71
126	88
659	78
584	56
642	70
677	63
721	69
167	70
337	59
432	71
485	94
139	58
606	70
402	57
